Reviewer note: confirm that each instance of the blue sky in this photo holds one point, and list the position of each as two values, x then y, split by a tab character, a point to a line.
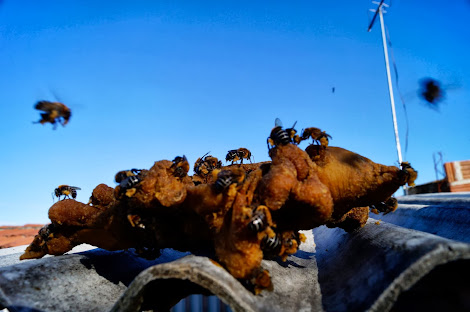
150	80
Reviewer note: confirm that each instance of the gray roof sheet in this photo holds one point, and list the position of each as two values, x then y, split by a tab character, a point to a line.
366	270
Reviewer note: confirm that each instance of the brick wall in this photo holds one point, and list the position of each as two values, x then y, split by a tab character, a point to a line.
12	236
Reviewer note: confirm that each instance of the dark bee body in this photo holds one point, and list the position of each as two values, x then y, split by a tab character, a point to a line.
206	164
129	182
271	245
54	112
408	173
279	136
180	166
294	137
66	191
238	154
121	175
258	222
225	178
432	92
387	206
318	136
223	182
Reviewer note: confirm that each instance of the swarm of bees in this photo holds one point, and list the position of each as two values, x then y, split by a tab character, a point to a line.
54	113
66	191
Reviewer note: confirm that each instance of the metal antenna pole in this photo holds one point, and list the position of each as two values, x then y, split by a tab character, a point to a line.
387	66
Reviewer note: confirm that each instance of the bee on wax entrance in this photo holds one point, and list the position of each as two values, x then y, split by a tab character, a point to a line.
128	180
238	154
319	137
66	191
121	175
180	166
225	178
271	245
258	220
206	164
280	136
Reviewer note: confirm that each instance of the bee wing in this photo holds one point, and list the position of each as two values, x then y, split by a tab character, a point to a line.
75	187
278	123
45	106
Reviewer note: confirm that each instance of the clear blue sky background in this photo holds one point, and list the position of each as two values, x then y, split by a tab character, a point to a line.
150	80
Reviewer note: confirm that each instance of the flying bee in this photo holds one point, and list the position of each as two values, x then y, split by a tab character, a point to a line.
206	164
278	135
121	175
318	136
258	221
181	166
271	245
54	112
225	178
432	92
67	191
238	154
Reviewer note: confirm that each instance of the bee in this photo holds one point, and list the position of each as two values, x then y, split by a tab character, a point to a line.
129	183
408	173
121	175
47	231
279	136
318	136
271	245
206	164
238	154
258	221
54	112
387	206
66	190
181	166
225	178
294	137
432	92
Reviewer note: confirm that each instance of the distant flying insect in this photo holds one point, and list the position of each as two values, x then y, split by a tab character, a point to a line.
238	154
54	112
66	190
181	166
432	92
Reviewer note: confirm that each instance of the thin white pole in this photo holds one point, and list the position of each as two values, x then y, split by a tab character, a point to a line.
390	88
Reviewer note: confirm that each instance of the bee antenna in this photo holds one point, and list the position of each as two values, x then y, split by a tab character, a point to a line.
294	124
205	154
